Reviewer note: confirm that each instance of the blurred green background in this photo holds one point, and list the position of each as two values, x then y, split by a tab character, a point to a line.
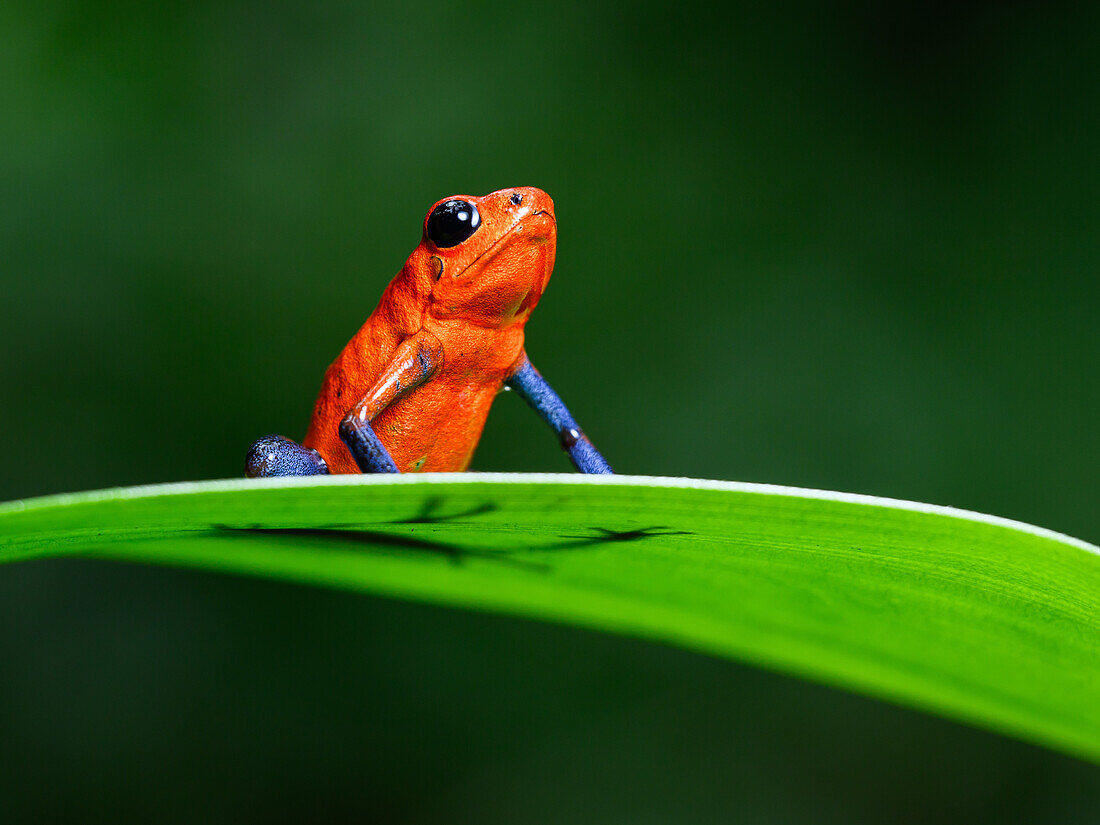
847	245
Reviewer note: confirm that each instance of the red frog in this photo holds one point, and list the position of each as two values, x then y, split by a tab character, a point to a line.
412	389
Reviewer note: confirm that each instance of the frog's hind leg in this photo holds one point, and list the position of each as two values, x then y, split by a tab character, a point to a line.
274	455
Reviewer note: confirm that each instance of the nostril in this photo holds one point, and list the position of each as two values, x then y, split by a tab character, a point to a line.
516	198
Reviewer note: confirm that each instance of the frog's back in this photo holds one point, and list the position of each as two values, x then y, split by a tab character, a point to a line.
348	379
400	313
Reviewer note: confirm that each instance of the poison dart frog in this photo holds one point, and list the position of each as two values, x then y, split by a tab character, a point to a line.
412	389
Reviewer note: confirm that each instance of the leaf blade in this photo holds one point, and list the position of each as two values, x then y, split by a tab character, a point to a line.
977	618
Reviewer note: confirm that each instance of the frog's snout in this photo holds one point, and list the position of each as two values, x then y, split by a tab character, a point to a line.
527	201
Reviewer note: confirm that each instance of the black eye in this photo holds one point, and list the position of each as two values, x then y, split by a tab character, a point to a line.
516	199
452	222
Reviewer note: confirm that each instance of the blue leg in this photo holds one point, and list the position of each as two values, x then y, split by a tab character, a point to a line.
369	453
274	455
533	389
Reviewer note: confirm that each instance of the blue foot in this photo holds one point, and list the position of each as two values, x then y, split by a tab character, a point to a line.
274	455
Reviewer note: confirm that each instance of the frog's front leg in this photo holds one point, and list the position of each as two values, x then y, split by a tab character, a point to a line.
274	455
415	361
533	389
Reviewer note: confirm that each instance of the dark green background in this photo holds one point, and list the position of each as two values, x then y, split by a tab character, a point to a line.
848	245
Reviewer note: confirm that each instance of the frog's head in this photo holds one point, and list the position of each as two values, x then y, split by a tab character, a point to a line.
488	259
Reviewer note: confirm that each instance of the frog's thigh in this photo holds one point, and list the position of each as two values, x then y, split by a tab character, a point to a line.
274	455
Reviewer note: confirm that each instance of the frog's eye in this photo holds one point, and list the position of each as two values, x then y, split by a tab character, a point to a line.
452	222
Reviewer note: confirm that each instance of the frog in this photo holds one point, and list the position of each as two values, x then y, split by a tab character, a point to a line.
412	389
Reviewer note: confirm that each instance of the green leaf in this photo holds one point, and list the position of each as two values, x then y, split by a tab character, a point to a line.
977	618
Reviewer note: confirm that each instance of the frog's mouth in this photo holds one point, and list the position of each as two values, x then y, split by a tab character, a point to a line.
541	239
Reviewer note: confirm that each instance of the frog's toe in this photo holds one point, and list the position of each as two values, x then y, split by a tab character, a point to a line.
274	455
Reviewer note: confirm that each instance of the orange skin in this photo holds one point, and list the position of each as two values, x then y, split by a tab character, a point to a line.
462	309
